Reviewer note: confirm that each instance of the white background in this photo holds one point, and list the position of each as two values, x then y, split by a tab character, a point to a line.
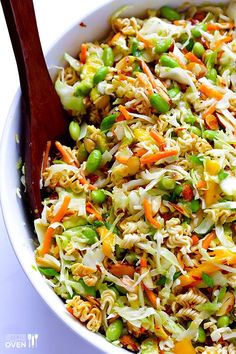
22	311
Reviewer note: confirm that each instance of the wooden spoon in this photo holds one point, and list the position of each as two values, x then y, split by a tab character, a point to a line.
44	117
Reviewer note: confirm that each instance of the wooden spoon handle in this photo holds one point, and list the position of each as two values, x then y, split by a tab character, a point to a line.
22	27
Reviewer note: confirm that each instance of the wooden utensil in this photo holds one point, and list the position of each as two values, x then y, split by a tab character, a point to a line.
44	117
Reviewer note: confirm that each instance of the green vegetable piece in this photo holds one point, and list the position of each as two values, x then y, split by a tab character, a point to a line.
73	221
209	307
210	134
108	122
212	74
176	275
207	280
169	13
98	196
83	88
190	45
158	102
167	183
174	92
131	258
82	153
196	160
101	143
195	130
196	31
162	280
190	119
162	45
222	175
223	321
100	74
210	58
86	233
94	161
149	346
198	49
85	289
57	162
195	205
49	272
169	62
201	335
121	290
134	48
222	293
136	68
177	191
108	56
74	130
119	252
114	330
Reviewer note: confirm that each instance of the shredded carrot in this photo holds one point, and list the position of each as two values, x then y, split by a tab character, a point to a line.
83	53
158	156
146	83
207	240
140	152
192	58
211	92
195	240
143	262
120	118
114	38
57	218
90	186
209	110
69	309
160	141
187	192
46	155
128	341
122	159
150	295
149	74
181	64
147	42
212	122
148	214
119	270
201	184
65	155
91	210
125	113
221	41
219	26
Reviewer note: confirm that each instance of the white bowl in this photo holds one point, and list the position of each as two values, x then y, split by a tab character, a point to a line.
15	218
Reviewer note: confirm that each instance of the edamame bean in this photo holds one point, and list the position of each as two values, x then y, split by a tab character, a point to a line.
167	183
174	92
196	31
108	56
169	13
212	74
89	234
201	335
114	330
210	58
74	130
223	321
198	49
149	346
167	61
162	45
195	205
83	88
98	196
210	134
158	102
108	122
94	161
178	190
100	74
190	119
195	130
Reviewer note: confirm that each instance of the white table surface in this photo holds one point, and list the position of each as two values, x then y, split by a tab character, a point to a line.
22	311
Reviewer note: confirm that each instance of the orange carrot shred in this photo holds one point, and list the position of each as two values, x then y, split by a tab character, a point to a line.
209	110
90	186
195	240
57	218
90	209
207	241
46	155
158	156
125	113
192	58
148	214
221	41
152	297
219	26
147	42
211	92
140	152
143	262
65	155
160	141
83	53
181	64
